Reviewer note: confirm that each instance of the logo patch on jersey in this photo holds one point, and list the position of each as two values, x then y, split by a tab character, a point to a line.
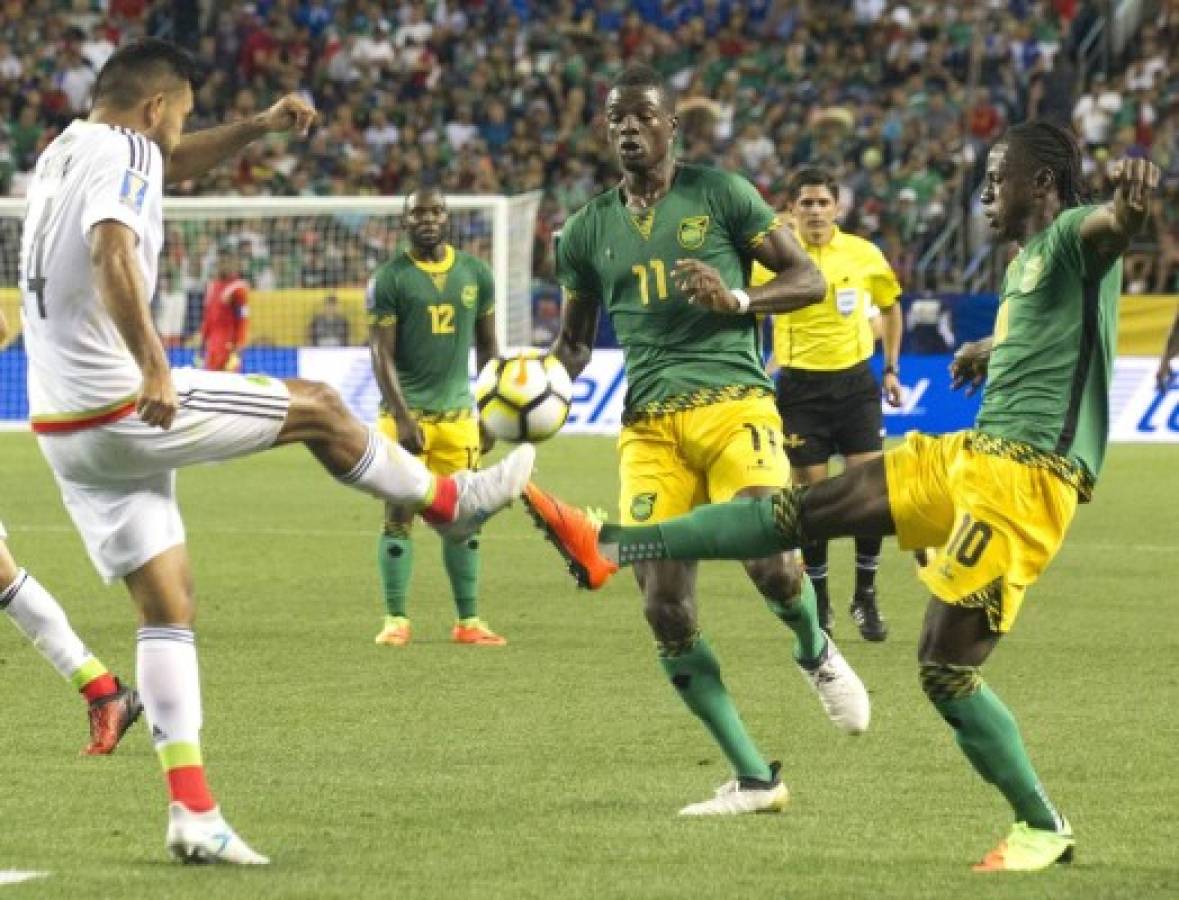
470	295
692	231
1030	274
134	190
642	506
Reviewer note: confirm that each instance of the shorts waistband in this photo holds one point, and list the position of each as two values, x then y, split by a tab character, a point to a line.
859	369
694	400
1071	473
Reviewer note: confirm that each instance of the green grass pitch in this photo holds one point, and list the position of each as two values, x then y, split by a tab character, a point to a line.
554	767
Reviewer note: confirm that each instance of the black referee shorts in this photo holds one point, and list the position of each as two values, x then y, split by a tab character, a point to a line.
829	413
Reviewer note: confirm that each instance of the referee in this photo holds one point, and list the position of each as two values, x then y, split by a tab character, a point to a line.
828	396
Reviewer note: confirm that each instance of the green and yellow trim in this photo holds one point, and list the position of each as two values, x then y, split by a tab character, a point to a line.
178	755
86	673
441	267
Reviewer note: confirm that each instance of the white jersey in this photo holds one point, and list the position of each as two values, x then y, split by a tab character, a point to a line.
80	371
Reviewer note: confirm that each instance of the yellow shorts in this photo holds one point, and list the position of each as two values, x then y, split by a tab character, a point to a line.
450	446
674	462
997	522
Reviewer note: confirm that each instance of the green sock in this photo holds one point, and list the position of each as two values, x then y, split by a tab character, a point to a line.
395	563
802	618
461	559
739	529
988	735
695	673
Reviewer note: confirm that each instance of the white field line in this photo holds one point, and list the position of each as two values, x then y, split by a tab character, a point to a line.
16	876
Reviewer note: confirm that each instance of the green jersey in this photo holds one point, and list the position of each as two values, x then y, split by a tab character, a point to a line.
435	307
677	354
1055	335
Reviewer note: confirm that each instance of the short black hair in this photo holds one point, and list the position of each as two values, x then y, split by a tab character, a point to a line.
1044	144
423	189
132	72
811	176
639	75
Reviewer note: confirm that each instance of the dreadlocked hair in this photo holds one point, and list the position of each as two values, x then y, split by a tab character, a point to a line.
1045	144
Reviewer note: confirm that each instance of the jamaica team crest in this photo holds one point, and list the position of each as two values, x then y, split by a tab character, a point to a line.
642	506
692	231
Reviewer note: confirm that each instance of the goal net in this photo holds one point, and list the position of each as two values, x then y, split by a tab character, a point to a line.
306	261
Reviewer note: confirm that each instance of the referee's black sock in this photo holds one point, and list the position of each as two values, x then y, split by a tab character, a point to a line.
814	554
867	562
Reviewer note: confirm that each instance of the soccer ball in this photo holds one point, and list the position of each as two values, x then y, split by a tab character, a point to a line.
524	397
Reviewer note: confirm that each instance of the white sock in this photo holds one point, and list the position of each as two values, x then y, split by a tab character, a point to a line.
33	610
169	683
390	472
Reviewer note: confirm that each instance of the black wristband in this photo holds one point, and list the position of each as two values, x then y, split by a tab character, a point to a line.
891	370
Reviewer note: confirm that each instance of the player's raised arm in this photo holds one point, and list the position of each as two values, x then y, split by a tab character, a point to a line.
1108	230
121	289
199	151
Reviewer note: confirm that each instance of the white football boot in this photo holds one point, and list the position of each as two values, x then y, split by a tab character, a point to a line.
206	838
742	796
482	494
843	695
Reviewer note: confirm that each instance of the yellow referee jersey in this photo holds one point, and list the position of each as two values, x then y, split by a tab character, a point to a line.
835	333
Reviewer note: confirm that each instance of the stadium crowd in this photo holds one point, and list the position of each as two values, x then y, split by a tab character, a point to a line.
504	96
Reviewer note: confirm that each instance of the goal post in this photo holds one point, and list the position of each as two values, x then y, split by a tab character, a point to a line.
306	261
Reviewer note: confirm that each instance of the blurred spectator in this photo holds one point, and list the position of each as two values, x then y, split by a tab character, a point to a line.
329	326
899	98
546	319
929	326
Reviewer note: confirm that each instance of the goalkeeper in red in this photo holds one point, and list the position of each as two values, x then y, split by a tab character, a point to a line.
997	499
426	307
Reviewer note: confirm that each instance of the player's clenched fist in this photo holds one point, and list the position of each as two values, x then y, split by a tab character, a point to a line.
157	400
290	113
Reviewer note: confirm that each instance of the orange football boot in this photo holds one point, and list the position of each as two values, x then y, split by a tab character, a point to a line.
573	533
475	631
110	717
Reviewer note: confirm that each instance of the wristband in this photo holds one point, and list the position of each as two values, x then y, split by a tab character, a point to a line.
891	370
743	300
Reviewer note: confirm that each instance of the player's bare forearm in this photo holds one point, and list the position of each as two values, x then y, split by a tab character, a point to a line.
893	323
486	343
1170	351
1109	229
579	329
199	151
797	282
116	276
381	344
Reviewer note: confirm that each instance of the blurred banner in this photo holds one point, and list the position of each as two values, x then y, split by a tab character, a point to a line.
1138	411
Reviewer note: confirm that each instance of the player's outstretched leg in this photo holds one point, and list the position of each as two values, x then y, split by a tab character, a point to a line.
455	505
169	683
112	707
955	641
854	503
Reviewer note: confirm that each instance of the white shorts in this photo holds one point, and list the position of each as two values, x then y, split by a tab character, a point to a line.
118	481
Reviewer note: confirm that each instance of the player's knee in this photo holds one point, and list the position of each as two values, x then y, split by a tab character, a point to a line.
776	577
944	682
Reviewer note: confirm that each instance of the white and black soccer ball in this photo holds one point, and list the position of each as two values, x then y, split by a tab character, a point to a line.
524	397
